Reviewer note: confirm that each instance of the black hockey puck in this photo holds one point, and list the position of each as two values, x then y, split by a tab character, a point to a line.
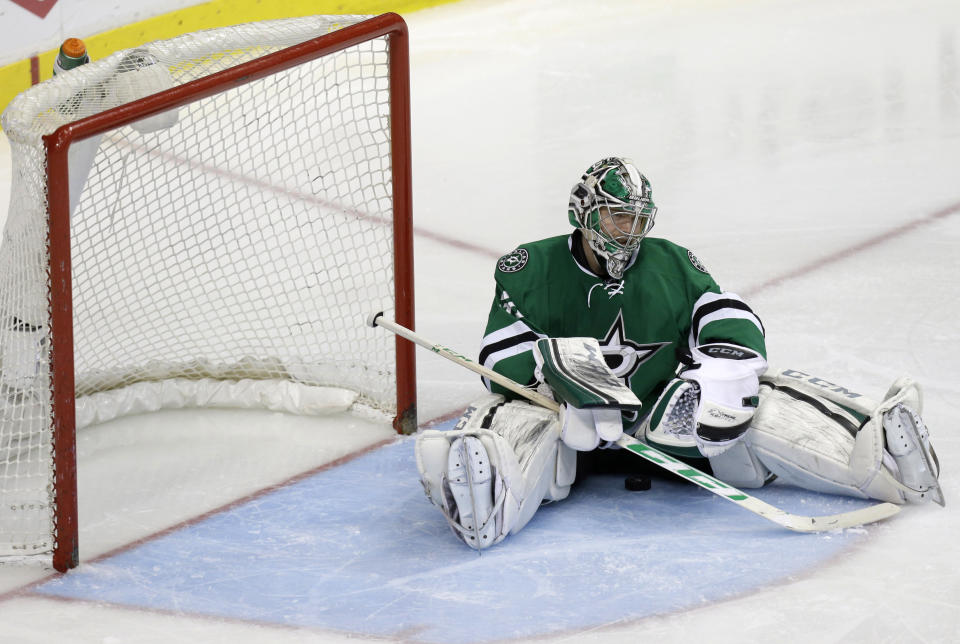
636	483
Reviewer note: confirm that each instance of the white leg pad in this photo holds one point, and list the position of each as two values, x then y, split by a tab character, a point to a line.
493	470
740	467
801	445
810	442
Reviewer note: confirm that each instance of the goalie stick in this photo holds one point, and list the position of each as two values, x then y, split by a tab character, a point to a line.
795	522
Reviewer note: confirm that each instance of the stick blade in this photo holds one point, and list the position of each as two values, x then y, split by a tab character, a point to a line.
852	519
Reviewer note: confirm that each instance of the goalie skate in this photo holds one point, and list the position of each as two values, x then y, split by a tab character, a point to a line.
494	469
472	485
908	441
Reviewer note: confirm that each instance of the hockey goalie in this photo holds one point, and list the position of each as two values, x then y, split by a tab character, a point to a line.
631	334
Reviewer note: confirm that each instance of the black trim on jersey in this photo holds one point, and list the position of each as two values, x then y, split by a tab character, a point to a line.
580	255
716	305
506	343
842	420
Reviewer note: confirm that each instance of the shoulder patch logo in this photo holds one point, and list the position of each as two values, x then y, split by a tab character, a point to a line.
697	264
513	261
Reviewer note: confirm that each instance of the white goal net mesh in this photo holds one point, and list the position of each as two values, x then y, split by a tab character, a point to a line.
241	238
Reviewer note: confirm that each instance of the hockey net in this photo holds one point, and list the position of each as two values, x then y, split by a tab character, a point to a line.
202	221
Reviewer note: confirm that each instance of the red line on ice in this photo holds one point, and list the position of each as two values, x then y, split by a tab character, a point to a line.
849	251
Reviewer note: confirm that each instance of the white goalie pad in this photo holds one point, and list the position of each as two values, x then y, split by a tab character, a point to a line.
740	467
812	442
820	387
493	470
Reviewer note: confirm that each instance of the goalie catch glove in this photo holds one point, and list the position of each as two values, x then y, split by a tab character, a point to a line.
727	377
591	395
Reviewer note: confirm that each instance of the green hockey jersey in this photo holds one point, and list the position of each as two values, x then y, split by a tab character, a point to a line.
665	302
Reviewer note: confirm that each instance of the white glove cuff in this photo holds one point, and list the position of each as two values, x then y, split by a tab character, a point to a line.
583	429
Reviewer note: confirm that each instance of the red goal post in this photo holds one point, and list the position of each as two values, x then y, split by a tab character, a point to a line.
245	172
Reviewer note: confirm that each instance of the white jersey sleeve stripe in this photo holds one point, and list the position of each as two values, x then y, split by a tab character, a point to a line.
505	343
728	314
711	307
516	349
517	328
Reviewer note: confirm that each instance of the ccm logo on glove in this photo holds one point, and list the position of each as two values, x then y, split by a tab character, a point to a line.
718	351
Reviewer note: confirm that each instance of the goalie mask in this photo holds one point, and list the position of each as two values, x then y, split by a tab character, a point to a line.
613	206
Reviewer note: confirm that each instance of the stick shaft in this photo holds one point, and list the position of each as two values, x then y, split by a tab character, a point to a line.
463	361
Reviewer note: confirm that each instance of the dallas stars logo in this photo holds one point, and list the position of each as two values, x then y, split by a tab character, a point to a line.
514	261
697	264
625	356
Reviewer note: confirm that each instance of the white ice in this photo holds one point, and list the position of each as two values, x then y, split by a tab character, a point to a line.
784	139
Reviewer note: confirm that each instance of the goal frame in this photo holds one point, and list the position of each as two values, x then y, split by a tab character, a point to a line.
57	144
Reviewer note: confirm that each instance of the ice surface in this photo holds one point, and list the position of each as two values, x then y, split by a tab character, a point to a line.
310	555
778	135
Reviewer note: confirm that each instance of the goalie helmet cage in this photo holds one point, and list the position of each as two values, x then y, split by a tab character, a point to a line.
233	229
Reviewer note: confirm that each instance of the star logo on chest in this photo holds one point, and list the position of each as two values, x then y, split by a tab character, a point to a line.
624	356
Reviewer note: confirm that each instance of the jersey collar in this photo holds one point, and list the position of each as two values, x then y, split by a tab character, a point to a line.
575	245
